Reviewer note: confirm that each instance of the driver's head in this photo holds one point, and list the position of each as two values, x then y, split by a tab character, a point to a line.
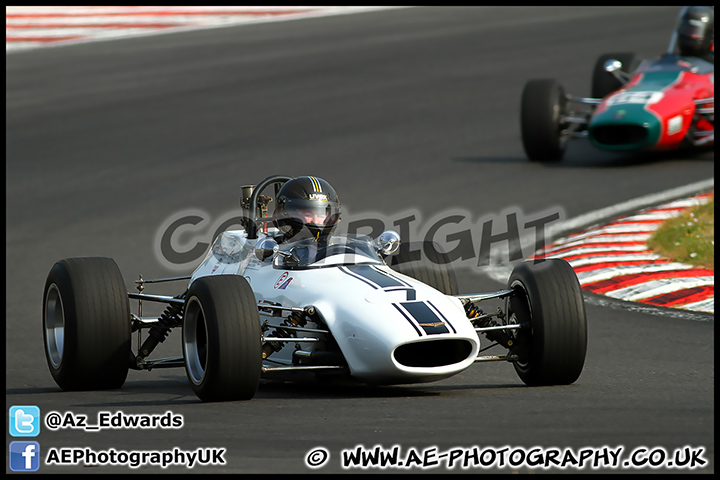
306	204
696	31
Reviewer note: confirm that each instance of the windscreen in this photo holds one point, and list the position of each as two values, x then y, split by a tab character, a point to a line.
331	250
675	63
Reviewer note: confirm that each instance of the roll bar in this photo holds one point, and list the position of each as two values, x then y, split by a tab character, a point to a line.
673	39
252	210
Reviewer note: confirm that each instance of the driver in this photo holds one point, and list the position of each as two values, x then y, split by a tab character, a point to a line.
696	33
306	207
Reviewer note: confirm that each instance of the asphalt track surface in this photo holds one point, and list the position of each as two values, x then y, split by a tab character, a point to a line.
410	108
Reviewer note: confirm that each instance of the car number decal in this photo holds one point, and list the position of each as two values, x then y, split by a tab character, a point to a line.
423	316
634	97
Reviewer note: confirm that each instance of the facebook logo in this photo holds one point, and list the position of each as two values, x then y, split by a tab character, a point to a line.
24	456
24	421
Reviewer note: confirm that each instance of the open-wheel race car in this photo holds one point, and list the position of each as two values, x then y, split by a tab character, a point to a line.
336	305
660	104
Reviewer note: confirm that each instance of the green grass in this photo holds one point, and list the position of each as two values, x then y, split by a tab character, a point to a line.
688	238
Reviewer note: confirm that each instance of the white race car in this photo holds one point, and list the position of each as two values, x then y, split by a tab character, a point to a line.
346	306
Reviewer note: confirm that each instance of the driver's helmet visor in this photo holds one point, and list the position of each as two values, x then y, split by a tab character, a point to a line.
694	29
317	213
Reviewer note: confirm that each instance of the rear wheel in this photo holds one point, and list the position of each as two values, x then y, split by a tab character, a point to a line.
426	262
548	301
222	339
86	324
542	108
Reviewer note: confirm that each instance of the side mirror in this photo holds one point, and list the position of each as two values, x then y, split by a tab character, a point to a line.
612	65
388	242
266	248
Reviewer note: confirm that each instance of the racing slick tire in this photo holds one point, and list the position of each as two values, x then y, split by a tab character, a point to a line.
548	299
542	108
221	339
426	262
86	324
605	83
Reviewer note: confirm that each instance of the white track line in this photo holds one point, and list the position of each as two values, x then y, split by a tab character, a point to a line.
623	235
24	26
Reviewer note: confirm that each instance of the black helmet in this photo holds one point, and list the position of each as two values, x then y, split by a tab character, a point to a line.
306	202
696	31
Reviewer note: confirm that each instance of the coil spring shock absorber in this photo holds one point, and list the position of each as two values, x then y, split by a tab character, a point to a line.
295	319
170	318
485	320
472	311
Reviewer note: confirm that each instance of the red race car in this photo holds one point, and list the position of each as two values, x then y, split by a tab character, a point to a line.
659	104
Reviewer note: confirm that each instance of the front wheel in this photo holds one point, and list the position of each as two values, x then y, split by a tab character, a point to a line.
547	300
222	339
86	324
542	108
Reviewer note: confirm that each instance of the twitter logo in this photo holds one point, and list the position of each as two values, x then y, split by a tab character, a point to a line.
24	421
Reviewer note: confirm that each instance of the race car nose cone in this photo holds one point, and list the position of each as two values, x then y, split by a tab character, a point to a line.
628	127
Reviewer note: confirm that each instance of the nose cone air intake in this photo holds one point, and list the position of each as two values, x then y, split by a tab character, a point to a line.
624	127
435	353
